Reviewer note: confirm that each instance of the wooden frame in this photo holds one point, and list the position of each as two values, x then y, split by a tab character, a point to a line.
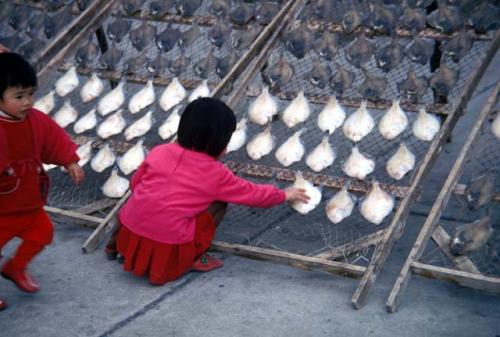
467	276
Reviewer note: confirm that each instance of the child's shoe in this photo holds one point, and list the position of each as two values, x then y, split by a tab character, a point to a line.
21	279
207	263
111	253
3	304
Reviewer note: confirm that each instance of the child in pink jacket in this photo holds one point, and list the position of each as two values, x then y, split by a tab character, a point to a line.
180	194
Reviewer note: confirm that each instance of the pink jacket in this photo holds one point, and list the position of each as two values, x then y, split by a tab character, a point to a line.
174	185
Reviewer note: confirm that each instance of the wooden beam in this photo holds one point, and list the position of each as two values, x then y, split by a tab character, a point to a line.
460	190
72	214
290	259
441	237
96	206
351	247
470	280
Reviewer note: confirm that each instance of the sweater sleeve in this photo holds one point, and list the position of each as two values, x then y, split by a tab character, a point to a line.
136	178
57	147
237	190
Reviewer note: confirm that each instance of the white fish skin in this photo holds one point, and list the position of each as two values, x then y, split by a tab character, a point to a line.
140	126
426	126
132	159
394	121
314	193
239	136
115	186
170	126
92	89
143	98
359	124
112	101
331	117
66	115
263	108
113	125
103	159
46	103
173	94
401	162
87	122
377	204
201	90
67	83
321	156
292	150
261	144
48	167
495	126
340	206
358	165
84	152
297	111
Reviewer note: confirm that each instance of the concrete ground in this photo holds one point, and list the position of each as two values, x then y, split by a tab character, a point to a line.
86	295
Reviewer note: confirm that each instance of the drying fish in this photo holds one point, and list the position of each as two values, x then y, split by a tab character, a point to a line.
86	54
87	122
103	159
48	167
299	41
173	94
168	38
420	49
46	103
225	64
189	36
186	8
158	65
219	33
413	19
142	35
495	126
18	16
242	13
389	56
220	8
84	152
113	125
170	126
401	162
67	83
292	150
117	29
263	108
66	115
321	9
446	19
241	39
493	249
297	111
358	165
359	124
426	126
131	7
143	98
360	50
92	89
458	46
202	90
444	79
321	156
342	80
239	136
394	122
132	158
314	193
206	66
160	8
136	64
112	100
115	186
485	17
32	48
111	58
179	64
471	236
377	204
140	126
328	46
55	23
319	74
278	74
480	191
340	206
413	88
54	5
351	21
331	117
382	18
373	87
266	11
261	144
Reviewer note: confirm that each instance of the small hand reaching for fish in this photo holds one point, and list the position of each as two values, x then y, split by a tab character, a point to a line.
76	173
296	194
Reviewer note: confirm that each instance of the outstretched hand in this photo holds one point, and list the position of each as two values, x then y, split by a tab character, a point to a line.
296	194
75	172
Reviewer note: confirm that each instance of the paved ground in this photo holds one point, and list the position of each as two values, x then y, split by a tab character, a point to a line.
86	295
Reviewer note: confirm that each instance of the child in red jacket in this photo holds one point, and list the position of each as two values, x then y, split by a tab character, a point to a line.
28	138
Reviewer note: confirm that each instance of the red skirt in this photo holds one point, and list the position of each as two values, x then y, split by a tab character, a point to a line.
164	262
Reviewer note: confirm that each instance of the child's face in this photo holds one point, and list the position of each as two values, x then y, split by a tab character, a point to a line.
17	101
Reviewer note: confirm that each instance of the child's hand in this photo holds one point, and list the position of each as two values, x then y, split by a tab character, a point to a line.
296	194
76	172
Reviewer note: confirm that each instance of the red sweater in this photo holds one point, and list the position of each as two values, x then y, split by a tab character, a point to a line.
174	185
24	146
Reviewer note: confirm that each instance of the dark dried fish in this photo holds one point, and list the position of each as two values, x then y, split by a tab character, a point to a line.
456	47
206	66
225	64
328	46
485	18
341	80
54	5
55	23
359	51
446	19
131	7
373	87
323	9
413	88
189	36
186	8
219	33
136	64
160	8
389	56
493	249
35	24
241	39
220	7
471	236
168	38
266	11
19	16
242	13
30	49
413	19
142	35
158	65
299	41
319	74
352	20
111	58
86	54
180	64
444	79
480	191
117	29
278	74
382	18
420	49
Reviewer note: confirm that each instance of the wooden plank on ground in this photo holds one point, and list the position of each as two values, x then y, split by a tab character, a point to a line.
96	206
351	247
74	215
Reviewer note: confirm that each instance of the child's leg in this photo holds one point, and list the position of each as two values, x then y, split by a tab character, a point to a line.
218	210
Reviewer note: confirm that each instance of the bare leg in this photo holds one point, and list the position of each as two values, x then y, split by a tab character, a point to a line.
218	210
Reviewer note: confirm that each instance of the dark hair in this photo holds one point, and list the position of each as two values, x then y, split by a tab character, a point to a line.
15	71
206	126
